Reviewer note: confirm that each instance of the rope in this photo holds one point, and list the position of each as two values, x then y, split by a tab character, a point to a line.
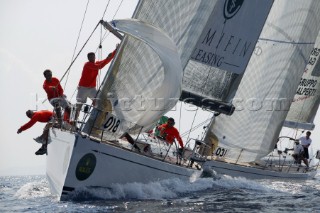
74	51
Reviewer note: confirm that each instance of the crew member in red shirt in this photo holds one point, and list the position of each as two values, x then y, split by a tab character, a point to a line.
169	132
55	94
87	83
43	116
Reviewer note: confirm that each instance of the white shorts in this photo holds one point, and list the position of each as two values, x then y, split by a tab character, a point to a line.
61	101
86	92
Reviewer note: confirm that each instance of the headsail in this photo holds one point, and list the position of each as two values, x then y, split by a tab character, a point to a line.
144	82
306	101
270	81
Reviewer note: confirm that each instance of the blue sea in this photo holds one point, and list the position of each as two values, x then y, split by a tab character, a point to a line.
224	194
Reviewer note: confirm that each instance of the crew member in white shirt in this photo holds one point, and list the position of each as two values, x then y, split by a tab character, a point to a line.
305	142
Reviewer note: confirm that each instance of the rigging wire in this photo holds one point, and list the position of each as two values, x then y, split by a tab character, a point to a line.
75	48
105	10
100	56
80	51
106	34
100	43
195	127
117	10
206	128
180	115
194	117
102	39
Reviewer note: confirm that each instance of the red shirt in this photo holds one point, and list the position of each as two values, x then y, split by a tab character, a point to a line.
41	116
90	71
170	134
48	87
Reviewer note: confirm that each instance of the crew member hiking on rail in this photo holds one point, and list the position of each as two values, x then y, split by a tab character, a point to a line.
43	116
55	95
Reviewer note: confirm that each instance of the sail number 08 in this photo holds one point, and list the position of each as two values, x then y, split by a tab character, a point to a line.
112	124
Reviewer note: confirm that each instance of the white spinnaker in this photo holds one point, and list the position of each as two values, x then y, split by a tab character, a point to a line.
270	81
138	70
306	101
149	103
145	80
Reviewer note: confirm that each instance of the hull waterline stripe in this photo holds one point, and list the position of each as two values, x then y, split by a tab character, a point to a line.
66	188
140	164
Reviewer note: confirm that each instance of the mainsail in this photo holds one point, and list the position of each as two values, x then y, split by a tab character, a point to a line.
222	53
306	101
269	82
213	56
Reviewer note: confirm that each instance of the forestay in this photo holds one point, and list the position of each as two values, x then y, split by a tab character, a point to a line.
306	101
269	82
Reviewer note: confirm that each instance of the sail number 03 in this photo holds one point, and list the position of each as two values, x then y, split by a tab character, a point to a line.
112	124
221	152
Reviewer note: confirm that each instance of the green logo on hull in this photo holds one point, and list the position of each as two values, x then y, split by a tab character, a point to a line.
86	166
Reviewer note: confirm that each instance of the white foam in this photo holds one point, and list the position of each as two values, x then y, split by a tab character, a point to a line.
33	190
242	183
164	189
168	189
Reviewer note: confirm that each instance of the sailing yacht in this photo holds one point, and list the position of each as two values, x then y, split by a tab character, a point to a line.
271	81
207	53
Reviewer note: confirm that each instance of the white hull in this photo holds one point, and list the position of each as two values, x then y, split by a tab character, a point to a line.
75	162
250	172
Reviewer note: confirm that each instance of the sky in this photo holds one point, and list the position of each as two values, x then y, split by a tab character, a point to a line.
38	35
